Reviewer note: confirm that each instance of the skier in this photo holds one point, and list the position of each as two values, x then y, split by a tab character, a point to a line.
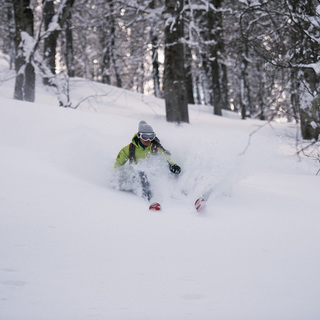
144	144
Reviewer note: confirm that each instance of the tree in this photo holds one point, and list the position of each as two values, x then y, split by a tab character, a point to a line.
286	35
154	39
69	46
107	32
268	49
25	75
212	51
306	37
174	72
50	40
188	74
216	51
53	24
8	30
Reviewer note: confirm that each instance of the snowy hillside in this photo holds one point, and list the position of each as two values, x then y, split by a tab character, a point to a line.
72	247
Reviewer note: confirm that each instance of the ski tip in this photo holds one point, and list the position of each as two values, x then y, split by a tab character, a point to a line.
200	204
155	206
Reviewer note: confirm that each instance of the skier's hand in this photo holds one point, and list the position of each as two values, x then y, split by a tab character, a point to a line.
174	168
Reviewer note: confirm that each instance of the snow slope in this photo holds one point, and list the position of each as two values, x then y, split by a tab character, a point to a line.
72	247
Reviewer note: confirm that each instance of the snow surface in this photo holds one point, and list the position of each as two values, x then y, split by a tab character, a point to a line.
72	247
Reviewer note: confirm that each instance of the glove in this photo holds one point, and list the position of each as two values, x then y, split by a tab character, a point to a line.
174	168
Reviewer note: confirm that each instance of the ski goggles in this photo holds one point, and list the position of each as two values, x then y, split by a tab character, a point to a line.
147	136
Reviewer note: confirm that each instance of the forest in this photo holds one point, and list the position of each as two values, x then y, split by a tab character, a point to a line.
259	58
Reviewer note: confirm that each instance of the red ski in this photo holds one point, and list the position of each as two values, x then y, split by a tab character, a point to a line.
200	204
155	206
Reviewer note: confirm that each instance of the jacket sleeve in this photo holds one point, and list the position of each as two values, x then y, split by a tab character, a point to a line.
123	157
166	154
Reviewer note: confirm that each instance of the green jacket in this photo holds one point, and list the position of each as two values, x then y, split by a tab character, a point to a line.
141	152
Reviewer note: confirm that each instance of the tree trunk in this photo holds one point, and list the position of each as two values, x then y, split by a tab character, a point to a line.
50	41
189	79
111	50
309	117
25	75
109	63
215	78
106	55
174	73
69	46
260	91
213	57
155	65
245	101
294	95
155	57
8	41
302	37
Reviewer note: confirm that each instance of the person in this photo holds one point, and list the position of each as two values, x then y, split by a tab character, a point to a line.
144	144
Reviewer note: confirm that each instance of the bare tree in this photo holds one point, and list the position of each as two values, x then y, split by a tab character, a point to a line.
53	25
25	77
174	72
69	45
213	55
8	30
50	40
